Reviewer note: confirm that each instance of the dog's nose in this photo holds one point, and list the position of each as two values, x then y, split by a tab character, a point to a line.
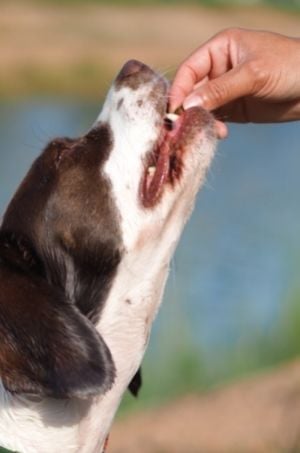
130	68
134	73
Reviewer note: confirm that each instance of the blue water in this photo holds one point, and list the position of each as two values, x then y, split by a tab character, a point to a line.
238	260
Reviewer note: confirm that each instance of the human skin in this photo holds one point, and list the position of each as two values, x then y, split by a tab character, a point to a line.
243	76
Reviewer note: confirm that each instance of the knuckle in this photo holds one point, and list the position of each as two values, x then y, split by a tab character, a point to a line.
231	32
217	93
257	73
192	72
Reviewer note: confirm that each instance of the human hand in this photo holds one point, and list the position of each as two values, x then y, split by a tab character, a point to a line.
243	76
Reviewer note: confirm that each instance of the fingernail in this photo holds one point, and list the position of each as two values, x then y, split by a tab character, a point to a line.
193	101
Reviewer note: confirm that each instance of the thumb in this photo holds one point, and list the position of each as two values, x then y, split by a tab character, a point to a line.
234	84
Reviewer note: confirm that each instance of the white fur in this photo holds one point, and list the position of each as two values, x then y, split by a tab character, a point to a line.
150	237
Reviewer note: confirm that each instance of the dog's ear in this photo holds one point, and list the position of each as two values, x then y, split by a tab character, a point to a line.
47	347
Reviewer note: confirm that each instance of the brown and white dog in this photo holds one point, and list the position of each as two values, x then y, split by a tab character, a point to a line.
85	247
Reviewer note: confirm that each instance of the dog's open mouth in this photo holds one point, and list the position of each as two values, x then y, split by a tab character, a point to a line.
164	163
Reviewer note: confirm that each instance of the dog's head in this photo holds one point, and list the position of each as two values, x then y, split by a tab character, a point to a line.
119	194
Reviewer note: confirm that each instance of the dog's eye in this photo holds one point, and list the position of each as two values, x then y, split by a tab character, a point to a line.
57	148
58	156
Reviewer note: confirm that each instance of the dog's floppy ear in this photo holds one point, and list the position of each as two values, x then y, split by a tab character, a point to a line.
47	347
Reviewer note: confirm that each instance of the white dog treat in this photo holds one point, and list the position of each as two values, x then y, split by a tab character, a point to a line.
151	170
171	116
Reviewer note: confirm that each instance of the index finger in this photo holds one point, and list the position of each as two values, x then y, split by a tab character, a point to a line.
190	72
209	60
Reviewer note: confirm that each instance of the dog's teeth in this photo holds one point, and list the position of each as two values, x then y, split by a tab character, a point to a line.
172	117
151	171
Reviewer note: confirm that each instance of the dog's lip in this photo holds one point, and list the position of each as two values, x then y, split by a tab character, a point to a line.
165	162
158	163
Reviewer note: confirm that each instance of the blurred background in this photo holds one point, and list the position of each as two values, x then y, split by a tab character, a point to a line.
231	313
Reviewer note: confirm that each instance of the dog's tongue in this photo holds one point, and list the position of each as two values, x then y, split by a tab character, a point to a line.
153	184
158	175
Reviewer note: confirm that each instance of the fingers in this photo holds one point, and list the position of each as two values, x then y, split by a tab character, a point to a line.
182	86
243	80
237	74
210	60
188	75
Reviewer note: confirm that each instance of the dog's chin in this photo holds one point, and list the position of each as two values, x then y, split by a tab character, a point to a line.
164	165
